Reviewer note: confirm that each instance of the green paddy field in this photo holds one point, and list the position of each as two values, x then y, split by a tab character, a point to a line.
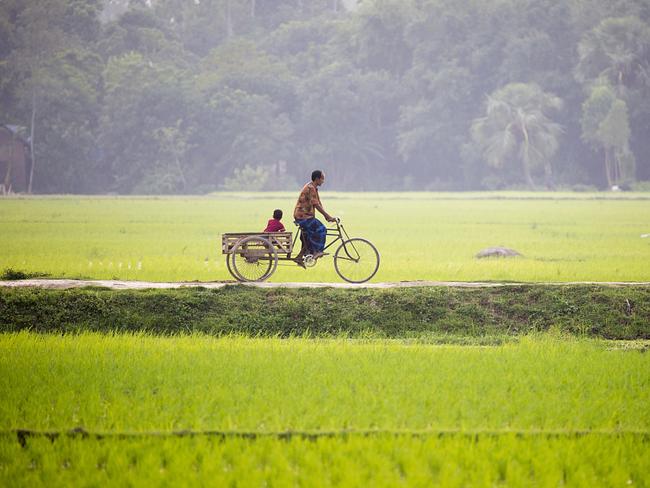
130	409
524	385
421	236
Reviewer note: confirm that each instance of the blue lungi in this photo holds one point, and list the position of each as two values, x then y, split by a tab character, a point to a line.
315	232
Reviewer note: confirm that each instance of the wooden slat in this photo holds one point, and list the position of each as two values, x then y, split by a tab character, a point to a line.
281	241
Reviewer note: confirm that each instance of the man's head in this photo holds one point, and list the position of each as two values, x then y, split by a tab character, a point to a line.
277	214
317	177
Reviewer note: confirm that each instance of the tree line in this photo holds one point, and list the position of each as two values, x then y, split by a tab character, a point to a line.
193	96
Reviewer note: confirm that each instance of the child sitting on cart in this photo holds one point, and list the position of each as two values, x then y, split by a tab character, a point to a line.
274	224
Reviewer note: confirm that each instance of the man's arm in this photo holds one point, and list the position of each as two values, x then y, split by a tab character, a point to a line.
315	201
327	216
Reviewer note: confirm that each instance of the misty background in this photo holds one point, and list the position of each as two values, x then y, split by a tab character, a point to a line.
195	96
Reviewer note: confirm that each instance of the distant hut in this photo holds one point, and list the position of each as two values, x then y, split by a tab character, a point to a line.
15	160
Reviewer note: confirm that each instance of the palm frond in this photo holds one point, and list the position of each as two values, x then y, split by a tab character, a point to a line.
499	147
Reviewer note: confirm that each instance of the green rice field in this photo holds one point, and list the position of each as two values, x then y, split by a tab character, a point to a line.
144	383
421	236
544	410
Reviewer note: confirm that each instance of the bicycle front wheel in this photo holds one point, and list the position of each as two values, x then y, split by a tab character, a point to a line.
356	260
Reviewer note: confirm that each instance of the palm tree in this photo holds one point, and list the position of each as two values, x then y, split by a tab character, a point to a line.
515	125
618	51
605	126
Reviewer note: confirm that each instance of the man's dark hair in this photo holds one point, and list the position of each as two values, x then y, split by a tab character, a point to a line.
316	174
277	214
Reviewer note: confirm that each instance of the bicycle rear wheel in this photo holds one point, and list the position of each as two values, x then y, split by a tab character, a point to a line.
356	260
253	259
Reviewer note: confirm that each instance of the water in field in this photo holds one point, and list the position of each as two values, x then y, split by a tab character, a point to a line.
421	236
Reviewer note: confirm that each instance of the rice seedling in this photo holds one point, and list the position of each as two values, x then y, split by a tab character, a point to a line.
383	460
139	383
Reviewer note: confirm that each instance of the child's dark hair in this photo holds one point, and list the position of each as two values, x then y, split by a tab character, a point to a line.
277	214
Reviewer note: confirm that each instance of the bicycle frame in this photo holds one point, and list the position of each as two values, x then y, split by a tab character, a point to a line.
338	232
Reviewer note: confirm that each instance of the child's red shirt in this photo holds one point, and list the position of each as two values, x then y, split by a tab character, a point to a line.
274	225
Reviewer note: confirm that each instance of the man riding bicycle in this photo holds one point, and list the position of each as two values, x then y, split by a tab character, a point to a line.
305	216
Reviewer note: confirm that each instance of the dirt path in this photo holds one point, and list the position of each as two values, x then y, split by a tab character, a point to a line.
138	285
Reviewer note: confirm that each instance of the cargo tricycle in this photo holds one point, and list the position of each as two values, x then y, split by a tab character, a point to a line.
255	256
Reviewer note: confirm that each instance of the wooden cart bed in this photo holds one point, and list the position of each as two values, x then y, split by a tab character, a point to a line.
281	241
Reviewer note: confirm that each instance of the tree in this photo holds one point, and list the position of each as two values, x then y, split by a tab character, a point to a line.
605	127
67	123
516	126
240	64
615	55
200	26
143	129
617	51
433	128
173	145
38	39
234	129
54	80
348	121
380	35
140	30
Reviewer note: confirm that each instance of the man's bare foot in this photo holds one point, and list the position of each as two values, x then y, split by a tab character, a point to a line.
319	254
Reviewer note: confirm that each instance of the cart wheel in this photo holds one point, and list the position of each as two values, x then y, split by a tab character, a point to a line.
356	260
253	259
229	266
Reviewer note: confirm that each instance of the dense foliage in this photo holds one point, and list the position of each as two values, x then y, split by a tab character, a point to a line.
176	96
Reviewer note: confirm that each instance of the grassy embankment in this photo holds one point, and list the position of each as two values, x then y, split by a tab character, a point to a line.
436	313
429	236
320	412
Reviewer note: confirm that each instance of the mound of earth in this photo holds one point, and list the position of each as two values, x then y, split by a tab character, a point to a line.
499	252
